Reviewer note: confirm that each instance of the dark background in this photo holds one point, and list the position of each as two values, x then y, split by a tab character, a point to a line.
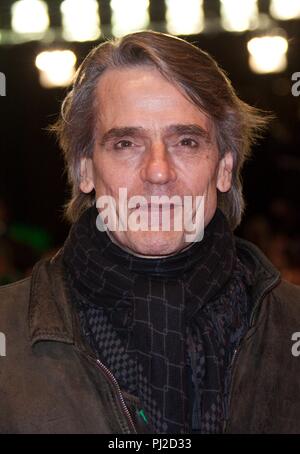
33	185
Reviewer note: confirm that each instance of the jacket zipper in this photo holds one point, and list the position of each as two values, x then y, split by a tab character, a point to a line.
114	382
238	348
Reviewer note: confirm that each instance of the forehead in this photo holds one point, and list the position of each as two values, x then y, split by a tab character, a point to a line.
141	96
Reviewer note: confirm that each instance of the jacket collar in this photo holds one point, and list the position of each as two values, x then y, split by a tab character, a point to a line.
266	276
51	317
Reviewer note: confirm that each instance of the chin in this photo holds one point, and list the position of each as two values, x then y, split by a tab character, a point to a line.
155	243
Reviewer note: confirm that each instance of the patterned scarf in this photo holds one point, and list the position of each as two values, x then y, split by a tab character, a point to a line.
165	327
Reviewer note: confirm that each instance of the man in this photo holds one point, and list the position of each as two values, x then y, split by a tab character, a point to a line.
131	328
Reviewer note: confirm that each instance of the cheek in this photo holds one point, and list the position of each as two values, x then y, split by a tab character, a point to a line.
109	176
203	180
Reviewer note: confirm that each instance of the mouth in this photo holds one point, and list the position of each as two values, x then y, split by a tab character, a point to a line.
156	207
159	216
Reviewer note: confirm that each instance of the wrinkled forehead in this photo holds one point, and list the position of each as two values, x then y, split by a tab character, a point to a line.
140	96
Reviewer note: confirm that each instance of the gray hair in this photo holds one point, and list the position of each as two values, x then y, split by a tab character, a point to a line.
194	72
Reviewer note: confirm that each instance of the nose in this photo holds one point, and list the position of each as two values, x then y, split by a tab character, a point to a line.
157	167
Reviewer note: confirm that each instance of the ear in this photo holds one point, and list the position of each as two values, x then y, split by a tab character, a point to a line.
86	175
224	176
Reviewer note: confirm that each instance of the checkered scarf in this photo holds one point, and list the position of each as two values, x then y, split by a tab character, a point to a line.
165	327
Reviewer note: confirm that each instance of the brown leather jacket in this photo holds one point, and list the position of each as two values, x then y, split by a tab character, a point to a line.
50	382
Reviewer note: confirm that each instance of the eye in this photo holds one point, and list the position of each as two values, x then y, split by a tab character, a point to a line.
123	144
188	142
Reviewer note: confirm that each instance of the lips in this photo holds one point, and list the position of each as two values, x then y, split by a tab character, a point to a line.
160	216
157	207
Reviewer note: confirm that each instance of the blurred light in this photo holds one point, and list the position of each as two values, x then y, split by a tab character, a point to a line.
129	16
184	17
268	54
57	67
80	20
285	9
29	16
237	16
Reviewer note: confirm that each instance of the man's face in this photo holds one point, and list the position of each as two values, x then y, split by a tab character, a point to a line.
151	140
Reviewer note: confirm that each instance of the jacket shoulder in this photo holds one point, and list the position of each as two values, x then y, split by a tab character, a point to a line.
14	291
14	303
288	294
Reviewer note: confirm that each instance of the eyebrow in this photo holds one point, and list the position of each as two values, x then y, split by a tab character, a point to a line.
178	129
